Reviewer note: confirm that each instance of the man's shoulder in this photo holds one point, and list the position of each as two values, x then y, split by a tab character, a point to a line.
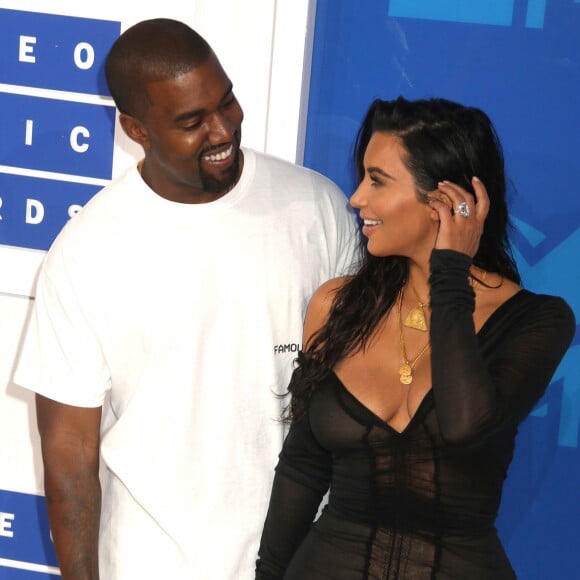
103	212
295	172
102	205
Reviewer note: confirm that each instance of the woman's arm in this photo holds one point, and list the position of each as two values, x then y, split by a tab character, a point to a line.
302	479
303	471
474	394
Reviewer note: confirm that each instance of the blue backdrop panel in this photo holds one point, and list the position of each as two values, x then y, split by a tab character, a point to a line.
33	211
520	62
25	535
55	52
49	132
58	136
15	574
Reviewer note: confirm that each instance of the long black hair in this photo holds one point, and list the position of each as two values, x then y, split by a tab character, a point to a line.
442	140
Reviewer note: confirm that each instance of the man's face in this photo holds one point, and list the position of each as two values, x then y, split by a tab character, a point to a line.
192	133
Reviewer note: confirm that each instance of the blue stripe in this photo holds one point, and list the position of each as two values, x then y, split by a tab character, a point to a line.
535	13
496	12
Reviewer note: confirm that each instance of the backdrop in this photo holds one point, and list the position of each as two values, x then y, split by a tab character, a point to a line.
520	62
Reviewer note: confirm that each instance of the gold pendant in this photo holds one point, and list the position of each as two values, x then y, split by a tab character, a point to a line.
406	379
405	369
405	374
416	318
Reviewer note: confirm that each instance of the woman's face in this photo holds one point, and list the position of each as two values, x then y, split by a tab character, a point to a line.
395	221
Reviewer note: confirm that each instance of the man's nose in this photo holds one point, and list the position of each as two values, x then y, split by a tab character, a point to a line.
220	128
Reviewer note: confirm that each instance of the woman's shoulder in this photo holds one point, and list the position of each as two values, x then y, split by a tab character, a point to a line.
328	289
321	303
549	306
544	318
528	309
323	297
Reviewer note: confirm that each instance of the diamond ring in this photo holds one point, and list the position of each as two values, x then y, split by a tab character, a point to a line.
463	209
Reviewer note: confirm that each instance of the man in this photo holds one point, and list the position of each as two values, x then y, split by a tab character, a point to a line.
167	316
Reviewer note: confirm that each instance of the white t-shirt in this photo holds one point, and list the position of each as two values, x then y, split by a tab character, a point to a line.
183	321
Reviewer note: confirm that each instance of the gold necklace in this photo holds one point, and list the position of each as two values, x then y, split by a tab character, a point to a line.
416	317
475	282
406	369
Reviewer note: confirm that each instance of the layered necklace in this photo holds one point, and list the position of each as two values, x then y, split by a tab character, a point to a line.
417	317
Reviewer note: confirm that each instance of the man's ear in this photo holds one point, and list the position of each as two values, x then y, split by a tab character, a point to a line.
134	129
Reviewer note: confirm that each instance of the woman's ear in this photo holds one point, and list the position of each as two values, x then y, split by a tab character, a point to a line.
434	199
134	129
434	214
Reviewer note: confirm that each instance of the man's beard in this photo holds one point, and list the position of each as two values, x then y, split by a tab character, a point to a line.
228	180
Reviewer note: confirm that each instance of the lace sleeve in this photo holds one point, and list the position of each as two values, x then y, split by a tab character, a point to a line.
476	395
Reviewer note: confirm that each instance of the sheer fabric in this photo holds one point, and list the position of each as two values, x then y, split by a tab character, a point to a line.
420	503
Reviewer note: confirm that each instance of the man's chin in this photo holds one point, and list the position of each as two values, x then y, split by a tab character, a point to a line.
227	181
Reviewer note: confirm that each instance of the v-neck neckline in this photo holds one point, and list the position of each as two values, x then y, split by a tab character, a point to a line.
376	419
429	393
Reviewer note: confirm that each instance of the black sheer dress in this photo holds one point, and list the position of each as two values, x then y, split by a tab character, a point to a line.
421	503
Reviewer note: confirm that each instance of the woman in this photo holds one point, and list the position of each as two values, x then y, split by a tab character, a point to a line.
417	370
